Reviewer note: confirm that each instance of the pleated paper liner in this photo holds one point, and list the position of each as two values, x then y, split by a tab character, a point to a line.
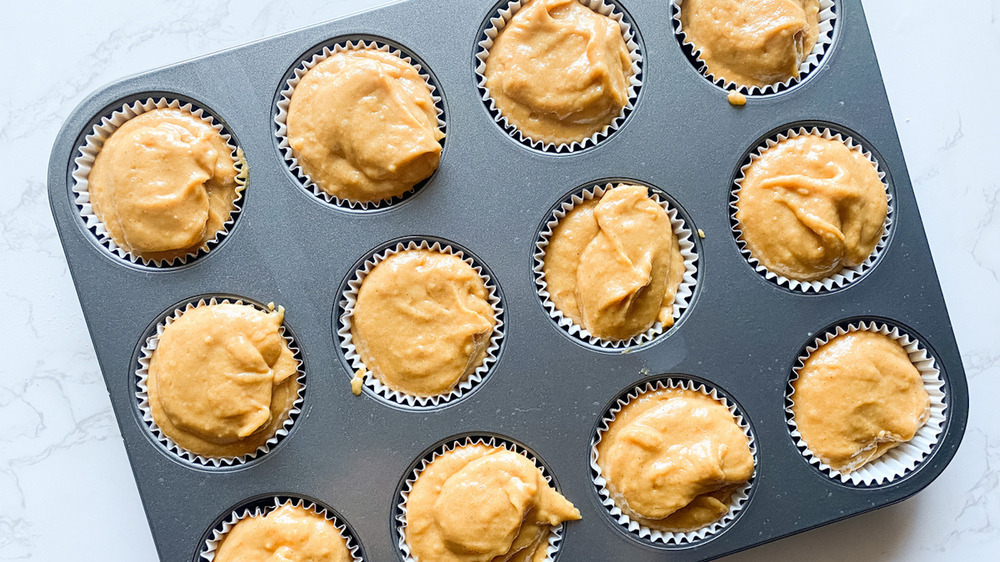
827	22
609	8
285	97
739	498
346	314
684	232
263	506
904	458
448	445
168	444
94	142
845	276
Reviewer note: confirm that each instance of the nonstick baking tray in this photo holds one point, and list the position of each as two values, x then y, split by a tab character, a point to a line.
491	195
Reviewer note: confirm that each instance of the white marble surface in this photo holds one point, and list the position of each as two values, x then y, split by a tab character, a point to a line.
66	491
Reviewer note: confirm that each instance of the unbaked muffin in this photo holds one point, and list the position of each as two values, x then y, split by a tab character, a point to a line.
164	184
856	397
752	43
558	71
810	206
363	126
673	458
422	321
481	503
288	533
613	264
222	379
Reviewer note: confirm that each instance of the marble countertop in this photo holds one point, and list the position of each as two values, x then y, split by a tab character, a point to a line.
66	490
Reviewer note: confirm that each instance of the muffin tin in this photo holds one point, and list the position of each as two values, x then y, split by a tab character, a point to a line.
492	195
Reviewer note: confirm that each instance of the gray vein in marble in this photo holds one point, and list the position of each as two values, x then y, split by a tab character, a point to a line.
987	244
976	519
952	140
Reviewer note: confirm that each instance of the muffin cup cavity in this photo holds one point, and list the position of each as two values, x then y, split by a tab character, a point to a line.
684	232
845	276
145	410
346	314
260	508
502	16
739	498
94	142
904	458
555	533
285	97
827	21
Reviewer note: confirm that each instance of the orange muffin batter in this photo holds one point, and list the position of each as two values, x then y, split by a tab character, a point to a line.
287	534
363	125
673	458
422	321
163	184
752	42
613	264
559	71
857	397
222	379
810	206
479	503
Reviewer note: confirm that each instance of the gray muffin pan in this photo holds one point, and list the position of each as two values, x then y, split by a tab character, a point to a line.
491	195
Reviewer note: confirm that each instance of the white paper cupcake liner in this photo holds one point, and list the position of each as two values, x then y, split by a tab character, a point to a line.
285	98
845	276
903	458
94	142
349	299
827	21
142	394
609	8
555	533
736	503
219	533
682	298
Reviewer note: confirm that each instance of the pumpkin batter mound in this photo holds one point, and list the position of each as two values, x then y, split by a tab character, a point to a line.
752	42
810	206
222	379
613	264
559	71
287	534
479	503
857	397
363	126
163	184
422	321
672	459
